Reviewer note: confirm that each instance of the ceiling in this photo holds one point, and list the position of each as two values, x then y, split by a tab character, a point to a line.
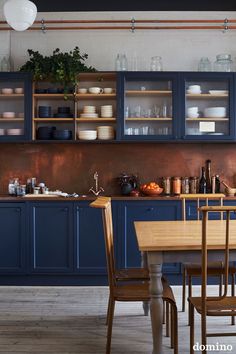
135	5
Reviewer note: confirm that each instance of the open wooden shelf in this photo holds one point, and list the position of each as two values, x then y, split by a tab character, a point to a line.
11	120
55	96
98	96
95	120
147	93
151	119
12	95
53	119
206	95
208	119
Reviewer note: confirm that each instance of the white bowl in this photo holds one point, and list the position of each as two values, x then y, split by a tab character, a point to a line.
14	131
7	91
192	110
193	115
215	112
194	92
88	115
218	92
8	114
82	90
19	90
2	132
87	134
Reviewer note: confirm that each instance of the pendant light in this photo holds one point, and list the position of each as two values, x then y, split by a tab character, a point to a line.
20	14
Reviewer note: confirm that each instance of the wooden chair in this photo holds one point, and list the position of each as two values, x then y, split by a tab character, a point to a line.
212	306
129	291
216	269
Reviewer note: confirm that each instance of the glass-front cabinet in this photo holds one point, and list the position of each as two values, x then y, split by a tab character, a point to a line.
207	106
148	106
15	106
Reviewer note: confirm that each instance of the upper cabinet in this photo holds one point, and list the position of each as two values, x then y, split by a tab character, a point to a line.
207	106
148	105
15	106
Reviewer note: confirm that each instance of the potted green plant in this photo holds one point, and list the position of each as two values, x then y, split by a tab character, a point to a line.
62	68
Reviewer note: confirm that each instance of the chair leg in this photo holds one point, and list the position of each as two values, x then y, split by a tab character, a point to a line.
175	325
109	328
221	284
164	314
167	319
172	328
233	294
108	309
146	307
184	288
191	318
189	295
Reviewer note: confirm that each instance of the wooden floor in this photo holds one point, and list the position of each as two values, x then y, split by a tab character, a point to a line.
71	320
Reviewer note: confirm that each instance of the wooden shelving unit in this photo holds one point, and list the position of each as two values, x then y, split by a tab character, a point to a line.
206	95
95	120
99	96
12	95
12	120
148	93
208	119
149	119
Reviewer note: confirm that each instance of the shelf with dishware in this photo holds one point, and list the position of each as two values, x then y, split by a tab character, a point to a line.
11	96
206	96
99	96
148	92
160	119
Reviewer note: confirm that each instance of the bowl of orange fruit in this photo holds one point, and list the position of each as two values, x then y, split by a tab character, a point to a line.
151	188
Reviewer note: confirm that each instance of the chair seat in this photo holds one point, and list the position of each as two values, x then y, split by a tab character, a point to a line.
140	292
213	268
132	274
224	307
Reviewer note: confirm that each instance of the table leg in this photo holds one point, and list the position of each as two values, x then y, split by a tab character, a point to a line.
144	264
156	292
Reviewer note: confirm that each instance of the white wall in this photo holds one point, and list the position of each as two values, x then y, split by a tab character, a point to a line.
180	49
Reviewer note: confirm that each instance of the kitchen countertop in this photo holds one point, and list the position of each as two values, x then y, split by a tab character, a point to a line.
7	198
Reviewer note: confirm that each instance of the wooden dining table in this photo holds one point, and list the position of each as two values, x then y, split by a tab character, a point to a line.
177	241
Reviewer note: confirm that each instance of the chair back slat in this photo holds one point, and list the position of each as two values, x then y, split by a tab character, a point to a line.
104	203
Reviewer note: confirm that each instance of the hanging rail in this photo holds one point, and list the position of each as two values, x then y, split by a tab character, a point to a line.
47	25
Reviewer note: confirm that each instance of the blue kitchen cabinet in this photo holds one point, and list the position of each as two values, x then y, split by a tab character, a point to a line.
90	255
16	99
51	237
13	238
213	96
148	106
128	213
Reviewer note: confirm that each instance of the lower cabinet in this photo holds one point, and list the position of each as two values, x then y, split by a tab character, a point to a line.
129	255
13	238
51	237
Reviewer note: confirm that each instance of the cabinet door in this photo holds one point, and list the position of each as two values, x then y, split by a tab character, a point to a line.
51	232
148	105
143	211
15	106
13	236
90	246
208	106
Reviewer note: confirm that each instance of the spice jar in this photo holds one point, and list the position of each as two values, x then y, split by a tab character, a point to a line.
166	183
223	63
185	185
176	185
193	185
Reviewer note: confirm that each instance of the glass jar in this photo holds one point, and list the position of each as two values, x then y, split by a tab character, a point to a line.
185	185
176	185
166	183
193	185
204	64
223	63
156	64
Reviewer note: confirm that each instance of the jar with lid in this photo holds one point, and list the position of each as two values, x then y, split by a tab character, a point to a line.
185	185
204	64
176	185
193	185
223	63
166	183
156	64
12	186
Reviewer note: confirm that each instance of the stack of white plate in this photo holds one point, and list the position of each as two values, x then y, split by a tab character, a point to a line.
2	132
89	112
106	133
106	111
14	131
87	134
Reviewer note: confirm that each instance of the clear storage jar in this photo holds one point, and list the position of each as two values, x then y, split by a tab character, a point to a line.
223	63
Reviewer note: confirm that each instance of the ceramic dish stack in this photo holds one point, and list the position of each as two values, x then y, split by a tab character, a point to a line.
89	112
2	132
105	132
106	111
14	131
87	134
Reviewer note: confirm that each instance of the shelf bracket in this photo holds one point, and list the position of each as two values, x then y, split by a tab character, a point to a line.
133	25
43	26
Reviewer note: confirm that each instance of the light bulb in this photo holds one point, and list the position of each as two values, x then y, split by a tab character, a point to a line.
20	14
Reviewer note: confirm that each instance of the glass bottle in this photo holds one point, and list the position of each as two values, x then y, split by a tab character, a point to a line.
156	64
164	110
185	185
217	184
204	64
166	183
193	185
208	176
5	64
202	182
124	63
223	63
176	185
118	62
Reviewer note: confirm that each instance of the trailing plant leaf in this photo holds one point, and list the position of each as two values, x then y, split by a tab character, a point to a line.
60	67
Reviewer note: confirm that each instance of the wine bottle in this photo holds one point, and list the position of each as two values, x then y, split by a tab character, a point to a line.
208	176
203	182
217	184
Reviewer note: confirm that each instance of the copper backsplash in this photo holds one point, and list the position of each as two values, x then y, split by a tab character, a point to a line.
70	167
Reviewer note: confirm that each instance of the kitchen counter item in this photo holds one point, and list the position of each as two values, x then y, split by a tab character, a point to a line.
223	63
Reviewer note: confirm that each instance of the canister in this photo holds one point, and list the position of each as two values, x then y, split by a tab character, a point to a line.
176	185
